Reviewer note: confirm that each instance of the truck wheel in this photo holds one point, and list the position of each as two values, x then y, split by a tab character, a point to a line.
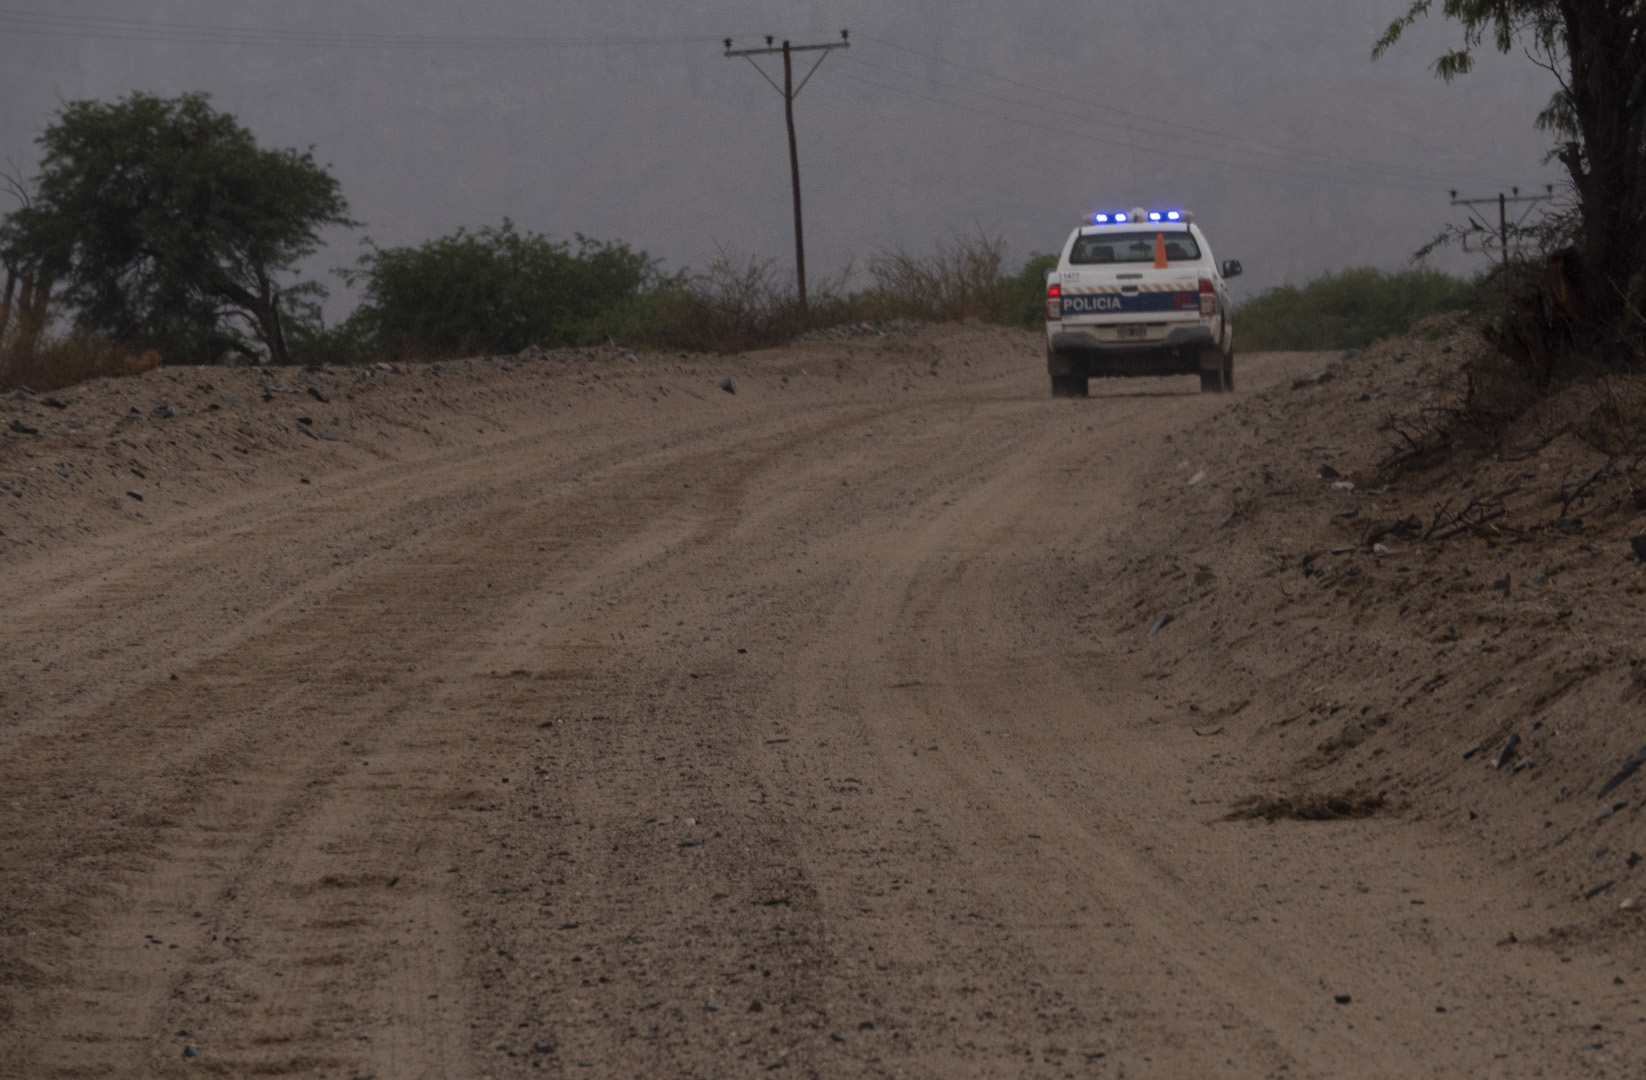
1211	382
1068	386
1228	370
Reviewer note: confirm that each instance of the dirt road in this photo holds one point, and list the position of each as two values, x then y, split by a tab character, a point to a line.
650	730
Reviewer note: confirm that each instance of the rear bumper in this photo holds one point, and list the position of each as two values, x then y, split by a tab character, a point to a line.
1184	351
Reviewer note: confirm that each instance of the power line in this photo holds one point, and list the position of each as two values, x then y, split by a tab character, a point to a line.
1154	124
1236	143
1142	148
53	24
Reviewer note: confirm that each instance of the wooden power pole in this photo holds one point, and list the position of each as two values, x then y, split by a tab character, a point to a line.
790	91
1501	233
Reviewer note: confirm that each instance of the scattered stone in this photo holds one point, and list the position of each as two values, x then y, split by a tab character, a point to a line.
1609	811
779	739
314	392
1341	999
165	412
20	394
691	841
330	434
1598	889
53	403
62	470
1633	860
628	354
1329	473
1638	545
190	1052
1306	807
23	429
134	495
1630	767
1523	763
545	1048
1506	755
1165	618
1470	751
728	385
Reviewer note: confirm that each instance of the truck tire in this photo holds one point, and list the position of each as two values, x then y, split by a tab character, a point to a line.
1228	371
1211	382
1069	386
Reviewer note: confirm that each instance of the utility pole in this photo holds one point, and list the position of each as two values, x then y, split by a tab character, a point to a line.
1502	232
790	91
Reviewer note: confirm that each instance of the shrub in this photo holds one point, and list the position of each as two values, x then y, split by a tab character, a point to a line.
496	290
1348	310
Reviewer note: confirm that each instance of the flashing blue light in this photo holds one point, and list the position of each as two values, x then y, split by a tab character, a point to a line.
1154	215
1101	219
1173	215
1120	217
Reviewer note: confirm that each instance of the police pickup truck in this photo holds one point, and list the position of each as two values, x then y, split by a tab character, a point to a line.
1136	292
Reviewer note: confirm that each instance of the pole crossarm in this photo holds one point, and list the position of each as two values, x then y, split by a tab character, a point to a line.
792	48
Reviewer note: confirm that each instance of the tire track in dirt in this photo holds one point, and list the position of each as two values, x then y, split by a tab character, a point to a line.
306	848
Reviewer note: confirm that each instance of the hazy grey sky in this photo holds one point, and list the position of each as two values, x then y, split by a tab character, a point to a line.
622	120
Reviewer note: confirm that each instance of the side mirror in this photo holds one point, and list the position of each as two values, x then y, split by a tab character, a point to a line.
1232	268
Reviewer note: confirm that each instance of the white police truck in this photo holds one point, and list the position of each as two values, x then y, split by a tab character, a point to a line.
1137	292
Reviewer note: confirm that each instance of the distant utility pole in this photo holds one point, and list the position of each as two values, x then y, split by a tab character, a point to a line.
790	91
1501	233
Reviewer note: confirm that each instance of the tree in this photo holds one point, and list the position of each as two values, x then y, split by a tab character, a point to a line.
168	226
496	290
1597	50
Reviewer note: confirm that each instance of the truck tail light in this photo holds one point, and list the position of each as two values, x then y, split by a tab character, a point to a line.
1208	297
1054	303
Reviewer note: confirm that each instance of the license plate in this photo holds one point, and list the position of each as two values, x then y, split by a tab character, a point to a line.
1131	333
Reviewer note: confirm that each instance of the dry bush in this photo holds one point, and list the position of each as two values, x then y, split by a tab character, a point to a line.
740	302
744	302
962	279
31	356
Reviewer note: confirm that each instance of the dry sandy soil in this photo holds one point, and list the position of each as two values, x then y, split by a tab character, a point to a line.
562	715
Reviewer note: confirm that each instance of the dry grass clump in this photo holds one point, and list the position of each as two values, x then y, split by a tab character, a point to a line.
961	279
742	302
32	356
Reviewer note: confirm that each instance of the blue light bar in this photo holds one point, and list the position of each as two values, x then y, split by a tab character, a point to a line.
1100	219
1120	217
1154	215
1173	215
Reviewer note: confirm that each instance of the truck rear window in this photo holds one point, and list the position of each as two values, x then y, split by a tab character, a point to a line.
1132	247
